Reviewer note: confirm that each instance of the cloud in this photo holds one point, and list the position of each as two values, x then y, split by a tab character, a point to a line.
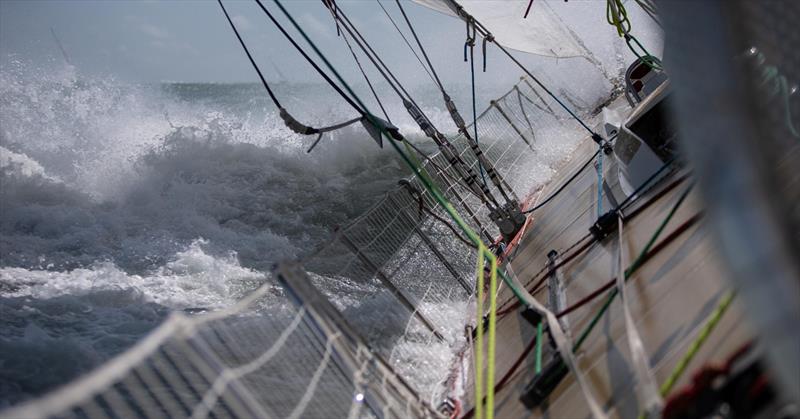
154	31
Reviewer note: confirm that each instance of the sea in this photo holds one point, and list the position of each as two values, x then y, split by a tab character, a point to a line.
123	202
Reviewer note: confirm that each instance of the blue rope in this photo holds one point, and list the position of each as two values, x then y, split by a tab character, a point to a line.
600	182
474	112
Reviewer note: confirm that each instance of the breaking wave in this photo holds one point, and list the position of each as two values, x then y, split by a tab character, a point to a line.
121	203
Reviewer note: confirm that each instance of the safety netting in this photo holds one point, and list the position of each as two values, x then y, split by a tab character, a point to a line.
369	325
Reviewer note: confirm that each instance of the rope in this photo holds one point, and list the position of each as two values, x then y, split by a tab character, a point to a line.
479	379
617	16
471	43
549	270
287	118
640	191
432	72
483	163
331	7
564	186
429	185
359	107
539	333
486	34
600	183
647	388
528	9
464	170
567	354
250	57
437	195
697	343
637	263
589	298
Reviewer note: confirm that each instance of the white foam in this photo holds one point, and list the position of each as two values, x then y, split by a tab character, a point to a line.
192	279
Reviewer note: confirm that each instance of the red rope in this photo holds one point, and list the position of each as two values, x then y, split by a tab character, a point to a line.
593	295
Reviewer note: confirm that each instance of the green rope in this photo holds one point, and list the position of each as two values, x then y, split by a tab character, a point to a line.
539	330
645	56
619	19
422	175
617	16
637	263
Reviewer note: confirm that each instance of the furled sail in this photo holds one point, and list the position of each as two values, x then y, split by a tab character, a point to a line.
542	33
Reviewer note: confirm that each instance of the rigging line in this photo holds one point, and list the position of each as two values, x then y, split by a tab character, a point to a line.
290	122
385	131
608	285
625	217
640	259
250	57
470	178
638	193
632	198
455	116
528	9
486	34
635	265
600	184
567	183
360	109
355	58
409	44
376	59
373	56
421	48
474	112
654	251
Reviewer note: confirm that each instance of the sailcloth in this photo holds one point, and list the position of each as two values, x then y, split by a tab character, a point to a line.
542	32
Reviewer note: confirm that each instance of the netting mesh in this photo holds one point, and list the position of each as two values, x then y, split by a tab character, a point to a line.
396	284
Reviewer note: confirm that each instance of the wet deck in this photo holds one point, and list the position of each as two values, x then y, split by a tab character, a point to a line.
670	298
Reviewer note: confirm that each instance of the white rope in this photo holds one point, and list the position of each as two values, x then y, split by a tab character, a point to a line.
312	385
358	383
230	374
647	388
564	347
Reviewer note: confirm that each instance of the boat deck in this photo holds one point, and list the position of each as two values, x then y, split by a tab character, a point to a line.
670	298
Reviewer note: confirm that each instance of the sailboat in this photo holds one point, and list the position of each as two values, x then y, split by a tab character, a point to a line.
654	275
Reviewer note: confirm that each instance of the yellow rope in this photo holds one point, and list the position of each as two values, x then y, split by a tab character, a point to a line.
698	342
484	254
478	348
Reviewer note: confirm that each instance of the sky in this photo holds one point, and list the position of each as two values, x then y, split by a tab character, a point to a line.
190	40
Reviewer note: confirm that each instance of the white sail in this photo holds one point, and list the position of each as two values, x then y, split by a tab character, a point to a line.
543	32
